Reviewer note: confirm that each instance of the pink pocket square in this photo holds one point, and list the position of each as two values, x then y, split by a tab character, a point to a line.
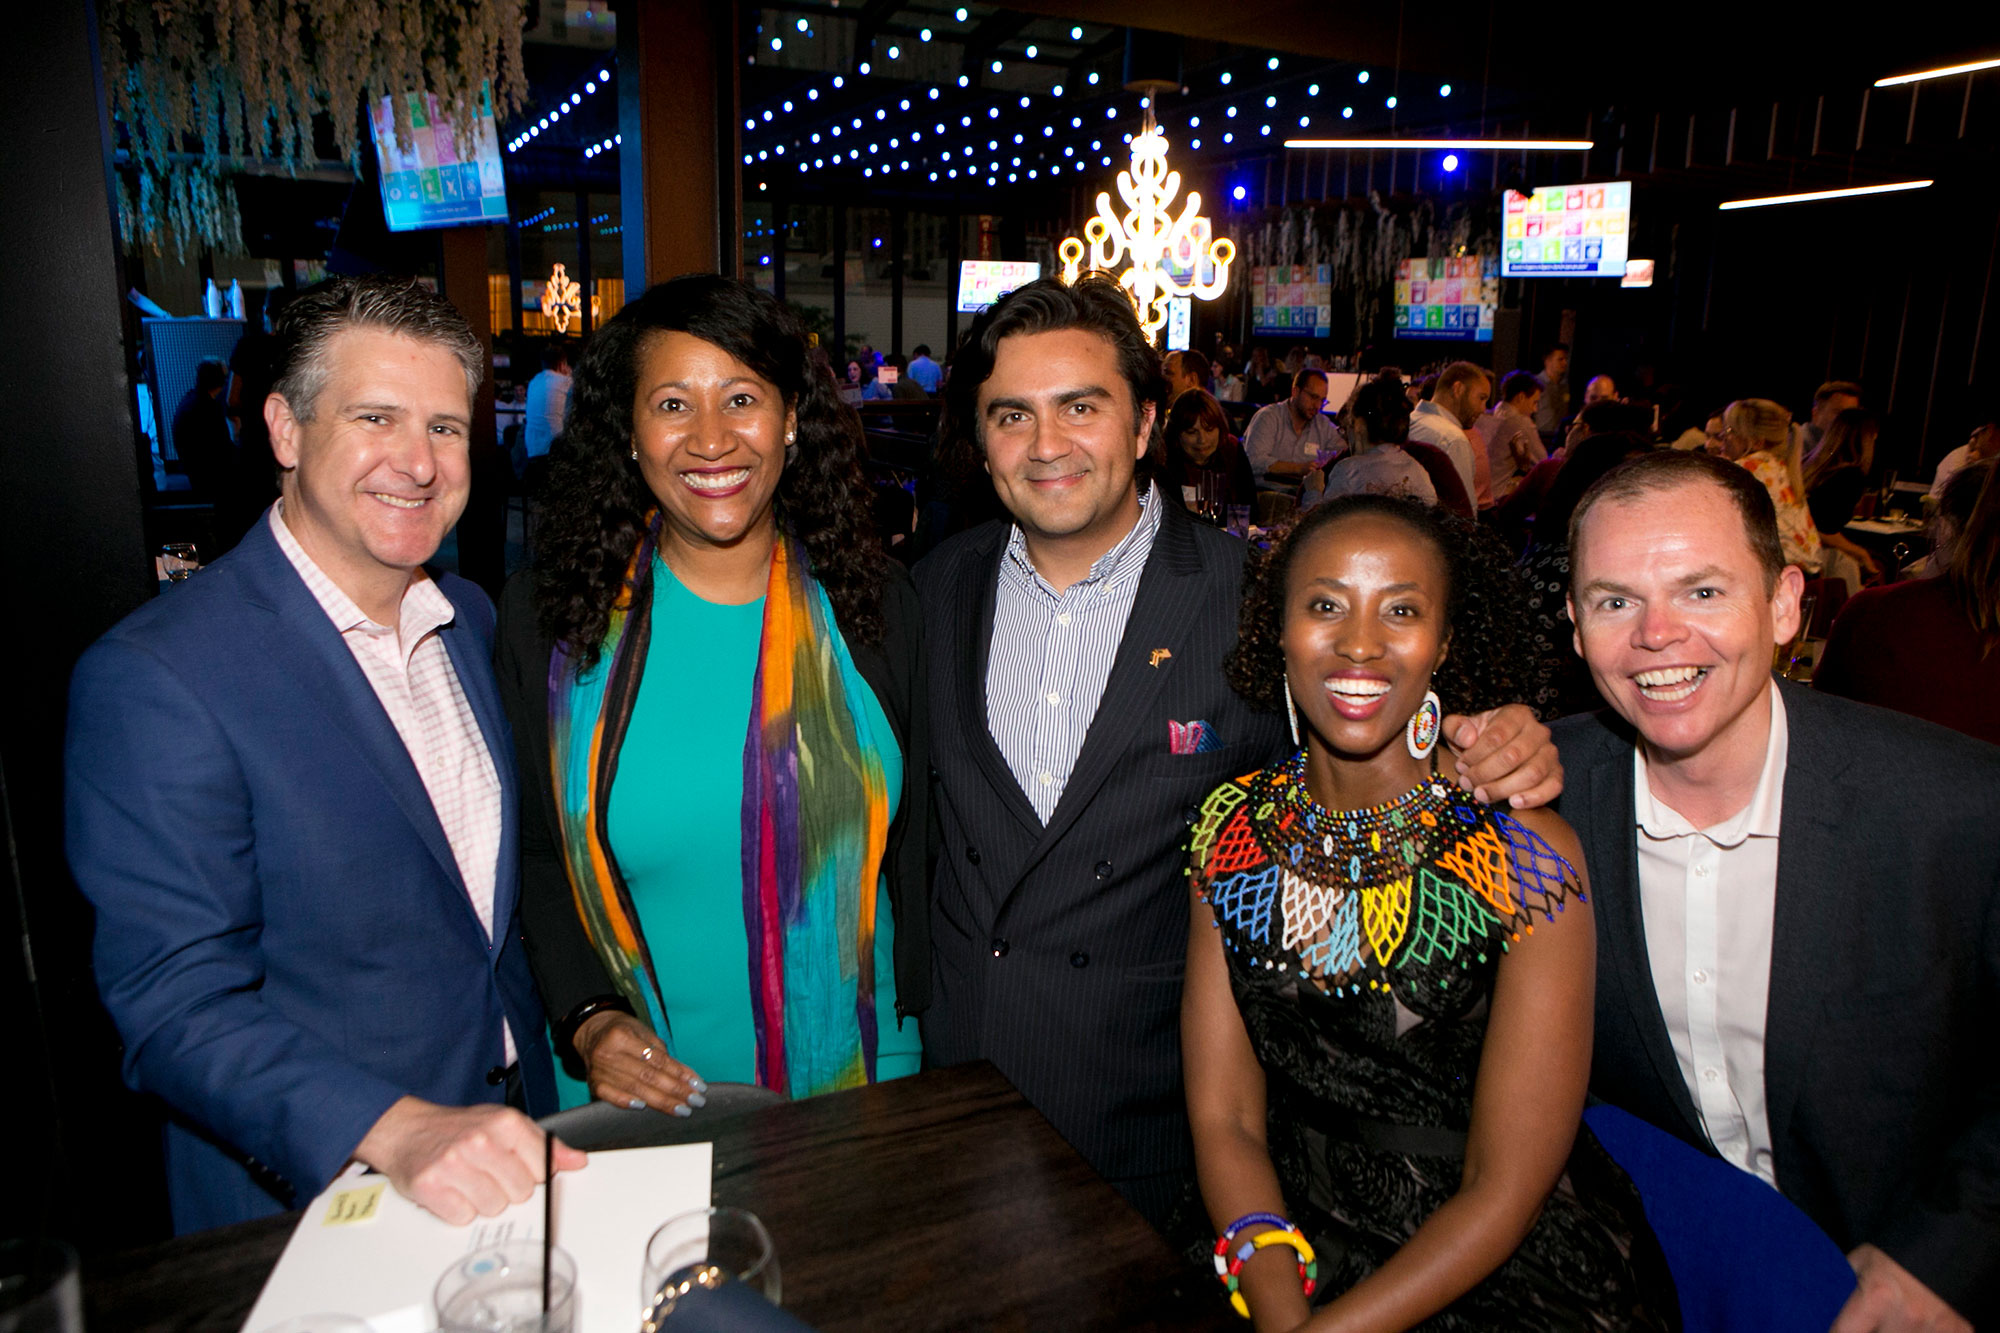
1191	738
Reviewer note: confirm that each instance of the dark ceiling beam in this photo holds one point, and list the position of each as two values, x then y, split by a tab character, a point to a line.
1092	52
994	30
869	22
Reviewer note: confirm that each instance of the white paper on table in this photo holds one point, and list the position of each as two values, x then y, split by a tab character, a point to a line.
384	1269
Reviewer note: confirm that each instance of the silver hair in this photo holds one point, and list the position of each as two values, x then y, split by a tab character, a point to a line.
394	305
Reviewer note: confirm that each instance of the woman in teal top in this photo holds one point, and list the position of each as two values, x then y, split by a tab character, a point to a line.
714	681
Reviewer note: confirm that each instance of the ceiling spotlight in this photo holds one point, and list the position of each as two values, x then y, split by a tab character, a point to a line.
1347	113
1272	63
1195	144
1270	101
895	53
1305	121
1033	52
604	75
788	108
1225	78
997	67
1451	161
962	80
839	82
802	25
934	94
1076	34
960	14
1093	78
865	68
1444	90
812	94
591	86
1056	91
777	43
1391	104
1312	90
1239	194
925	36
1362	77
1024	104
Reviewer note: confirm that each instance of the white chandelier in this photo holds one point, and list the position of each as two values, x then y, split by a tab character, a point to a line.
562	299
1166	256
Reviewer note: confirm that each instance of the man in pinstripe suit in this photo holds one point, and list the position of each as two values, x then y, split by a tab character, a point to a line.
1080	715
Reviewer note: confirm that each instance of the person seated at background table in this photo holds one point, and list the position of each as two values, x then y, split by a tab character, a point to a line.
1204	462
713	678
1446	415
289	797
1408	1095
1985	443
201	433
1836	474
1185	371
1508	435
1829	401
1798	897
902	388
1758	435
927	373
1926	646
1380	464
1287	439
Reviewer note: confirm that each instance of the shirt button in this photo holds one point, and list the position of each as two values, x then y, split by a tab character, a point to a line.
1047	778
1063	619
1700	977
1054	698
1701	872
1189	814
1711	1074
1079	959
1104	870
972	855
999	947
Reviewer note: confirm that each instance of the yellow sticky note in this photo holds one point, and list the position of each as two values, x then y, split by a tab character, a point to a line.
356	1205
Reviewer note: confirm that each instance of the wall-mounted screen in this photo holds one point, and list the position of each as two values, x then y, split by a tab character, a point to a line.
1576	231
1291	301
981	282
1447	298
431	184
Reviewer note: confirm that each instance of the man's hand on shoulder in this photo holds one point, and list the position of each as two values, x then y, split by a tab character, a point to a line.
1504	754
1887	1299
460	1162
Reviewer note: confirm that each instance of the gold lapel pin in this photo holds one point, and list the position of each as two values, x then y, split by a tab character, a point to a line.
1160	655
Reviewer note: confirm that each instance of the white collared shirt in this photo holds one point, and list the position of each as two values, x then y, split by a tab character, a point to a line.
410	671
1051	655
1431	424
1708	898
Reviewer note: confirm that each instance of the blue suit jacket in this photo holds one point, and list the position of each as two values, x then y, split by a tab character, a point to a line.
283	937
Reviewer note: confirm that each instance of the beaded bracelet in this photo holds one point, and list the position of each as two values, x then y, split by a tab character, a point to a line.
1229	1234
1290	1236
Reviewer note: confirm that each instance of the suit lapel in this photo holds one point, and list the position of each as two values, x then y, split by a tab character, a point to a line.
1816	900
472	660
1621	922
301	635
1158	620
977	590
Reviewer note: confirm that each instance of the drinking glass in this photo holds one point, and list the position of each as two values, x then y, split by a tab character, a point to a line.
1239	520
179	560
38	1288
498	1289
707	1246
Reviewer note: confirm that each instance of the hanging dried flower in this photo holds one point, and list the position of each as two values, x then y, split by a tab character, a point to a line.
206	88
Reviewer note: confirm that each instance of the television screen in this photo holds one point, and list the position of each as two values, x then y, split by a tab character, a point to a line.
430	184
1574	231
981	282
1180	322
1447	298
1291	301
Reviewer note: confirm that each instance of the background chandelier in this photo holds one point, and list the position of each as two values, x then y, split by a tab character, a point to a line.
562	299
1165	255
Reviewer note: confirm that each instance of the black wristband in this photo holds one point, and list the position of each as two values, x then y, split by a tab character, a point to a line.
576	1017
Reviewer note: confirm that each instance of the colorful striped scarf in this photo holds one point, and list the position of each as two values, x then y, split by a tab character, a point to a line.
815	825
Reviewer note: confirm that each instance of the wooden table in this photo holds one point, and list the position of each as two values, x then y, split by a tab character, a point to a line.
942	1201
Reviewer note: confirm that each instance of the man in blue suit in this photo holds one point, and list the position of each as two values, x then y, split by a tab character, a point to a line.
289	800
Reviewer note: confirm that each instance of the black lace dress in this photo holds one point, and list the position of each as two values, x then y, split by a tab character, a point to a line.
1367	1009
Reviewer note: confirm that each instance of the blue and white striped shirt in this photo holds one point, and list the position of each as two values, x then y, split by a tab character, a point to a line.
1051	655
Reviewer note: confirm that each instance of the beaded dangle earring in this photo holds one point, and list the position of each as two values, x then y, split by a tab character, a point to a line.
1291	710
1425	725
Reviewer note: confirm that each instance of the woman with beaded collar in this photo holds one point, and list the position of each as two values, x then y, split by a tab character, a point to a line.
1387	1019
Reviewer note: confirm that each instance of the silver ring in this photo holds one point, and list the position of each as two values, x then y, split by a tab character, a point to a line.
646	1053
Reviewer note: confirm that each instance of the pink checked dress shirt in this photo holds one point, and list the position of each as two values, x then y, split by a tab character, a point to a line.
412	676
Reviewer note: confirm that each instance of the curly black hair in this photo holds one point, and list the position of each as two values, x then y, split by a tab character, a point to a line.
596	501
1491	662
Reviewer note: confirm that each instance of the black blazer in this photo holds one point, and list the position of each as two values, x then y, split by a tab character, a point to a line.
1882	1036
566	967
1058	951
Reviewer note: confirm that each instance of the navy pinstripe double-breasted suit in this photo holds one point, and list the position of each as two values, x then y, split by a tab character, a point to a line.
1058	950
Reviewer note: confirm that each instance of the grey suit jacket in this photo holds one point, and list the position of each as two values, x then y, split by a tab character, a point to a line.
1882	1035
1058	952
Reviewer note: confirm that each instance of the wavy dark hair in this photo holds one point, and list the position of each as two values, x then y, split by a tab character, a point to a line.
1095	303
597	501
1491	662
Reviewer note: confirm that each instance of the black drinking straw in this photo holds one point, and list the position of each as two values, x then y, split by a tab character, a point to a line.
548	1216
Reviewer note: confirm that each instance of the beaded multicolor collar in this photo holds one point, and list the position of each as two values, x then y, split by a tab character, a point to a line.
1347	898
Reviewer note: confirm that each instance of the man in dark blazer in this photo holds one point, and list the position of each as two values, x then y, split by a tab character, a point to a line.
1798	898
290	800
1079	717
